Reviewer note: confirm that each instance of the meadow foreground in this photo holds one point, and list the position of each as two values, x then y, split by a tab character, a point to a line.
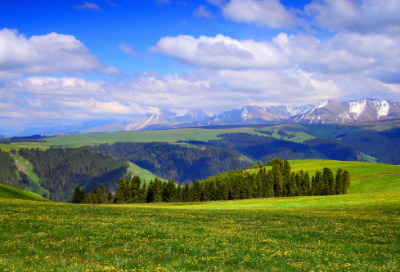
332	233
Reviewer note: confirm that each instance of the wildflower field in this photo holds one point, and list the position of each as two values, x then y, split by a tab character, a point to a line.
332	233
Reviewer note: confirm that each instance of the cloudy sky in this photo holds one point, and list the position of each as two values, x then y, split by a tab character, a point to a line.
65	62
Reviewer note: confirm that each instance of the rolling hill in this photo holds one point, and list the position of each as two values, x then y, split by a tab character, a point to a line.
12	193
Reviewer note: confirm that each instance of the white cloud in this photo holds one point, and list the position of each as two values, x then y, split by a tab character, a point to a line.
46	54
269	13
202	11
222	52
88	5
364	16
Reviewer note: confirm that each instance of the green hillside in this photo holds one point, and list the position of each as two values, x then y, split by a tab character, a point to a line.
145	175
366	177
12	193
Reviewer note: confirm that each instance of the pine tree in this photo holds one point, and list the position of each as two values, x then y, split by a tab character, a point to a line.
150	192
77	196
196	191
83	196
346	181
121	192
178	197
186	193
101	195
339	181
157	190
278	181
110	196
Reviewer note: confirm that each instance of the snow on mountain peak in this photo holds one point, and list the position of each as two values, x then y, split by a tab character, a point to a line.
358	107
382	107
321	104
244	113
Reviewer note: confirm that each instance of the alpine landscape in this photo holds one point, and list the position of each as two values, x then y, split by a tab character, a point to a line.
200	135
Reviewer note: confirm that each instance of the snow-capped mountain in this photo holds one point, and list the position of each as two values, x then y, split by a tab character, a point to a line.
328	112
324	112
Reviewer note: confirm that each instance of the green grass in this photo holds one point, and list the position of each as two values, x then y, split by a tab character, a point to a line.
145	175
12	193
26	167
230	236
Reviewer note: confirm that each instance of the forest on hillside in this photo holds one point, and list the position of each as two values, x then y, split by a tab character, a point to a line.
279	181
8	170
260	147
179	163
61	170
385	145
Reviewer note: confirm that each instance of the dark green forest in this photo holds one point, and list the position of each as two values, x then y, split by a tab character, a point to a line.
333	149
385	145
8	170
170	161
279	181
263	148
61	170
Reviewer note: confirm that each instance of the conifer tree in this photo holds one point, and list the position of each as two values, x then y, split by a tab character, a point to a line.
278	181
143	193
83	196
101	194
157	190
110	196
346	181
339	181
186	193
150	192
178	197
77	196
121	192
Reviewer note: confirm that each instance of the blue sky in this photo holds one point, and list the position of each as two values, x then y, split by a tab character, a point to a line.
64	62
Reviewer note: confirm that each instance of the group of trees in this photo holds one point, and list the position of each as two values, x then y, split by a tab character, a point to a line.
60	170
94	197
279	181
8	170
171	161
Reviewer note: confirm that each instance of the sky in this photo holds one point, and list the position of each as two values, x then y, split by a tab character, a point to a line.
65	62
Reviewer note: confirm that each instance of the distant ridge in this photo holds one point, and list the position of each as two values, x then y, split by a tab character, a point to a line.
324	112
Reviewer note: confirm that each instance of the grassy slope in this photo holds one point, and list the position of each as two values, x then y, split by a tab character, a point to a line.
12	193
26	167
144	174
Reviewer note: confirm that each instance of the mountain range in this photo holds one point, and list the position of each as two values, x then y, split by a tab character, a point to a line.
325	112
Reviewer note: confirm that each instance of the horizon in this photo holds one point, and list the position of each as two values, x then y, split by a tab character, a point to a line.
75	61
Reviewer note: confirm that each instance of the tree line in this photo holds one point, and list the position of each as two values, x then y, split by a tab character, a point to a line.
279	181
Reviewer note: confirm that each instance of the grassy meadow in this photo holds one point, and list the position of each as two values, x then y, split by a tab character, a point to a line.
355	232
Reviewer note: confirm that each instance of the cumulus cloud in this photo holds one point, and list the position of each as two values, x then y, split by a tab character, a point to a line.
202	11
46	54
222	52
269	13
366	16
88	5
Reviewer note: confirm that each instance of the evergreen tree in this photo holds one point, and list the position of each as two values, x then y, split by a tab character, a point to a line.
110	196
278	181
77	195
346	181
101	195
83	196
339	181
157	190
121	192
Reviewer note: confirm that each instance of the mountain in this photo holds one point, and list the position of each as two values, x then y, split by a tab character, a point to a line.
325	112
329	112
